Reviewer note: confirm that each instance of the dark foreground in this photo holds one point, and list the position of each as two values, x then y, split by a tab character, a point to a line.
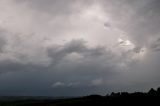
122	98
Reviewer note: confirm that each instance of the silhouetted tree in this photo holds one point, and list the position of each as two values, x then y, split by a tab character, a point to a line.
124	93
112	94
158	91
115	94
152	92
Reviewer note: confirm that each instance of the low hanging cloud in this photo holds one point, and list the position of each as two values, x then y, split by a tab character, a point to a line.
62	84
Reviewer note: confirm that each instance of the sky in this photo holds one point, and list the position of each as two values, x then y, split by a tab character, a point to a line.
78	47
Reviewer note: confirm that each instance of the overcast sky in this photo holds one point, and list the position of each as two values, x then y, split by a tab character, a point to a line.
78	47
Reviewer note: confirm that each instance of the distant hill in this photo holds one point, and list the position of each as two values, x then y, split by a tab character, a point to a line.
18	98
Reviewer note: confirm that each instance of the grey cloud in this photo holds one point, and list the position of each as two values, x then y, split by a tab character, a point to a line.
60	51
155	46
108	25
74	65
2	43
51	6
147	22
62	84
55	7
92	60
138	50
95	62
58	84
8	66
2	40
138	18
75	46
31	65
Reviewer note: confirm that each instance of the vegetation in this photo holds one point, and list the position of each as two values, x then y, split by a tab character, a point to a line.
121	98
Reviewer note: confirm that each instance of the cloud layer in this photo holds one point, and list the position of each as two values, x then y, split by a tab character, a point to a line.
78	47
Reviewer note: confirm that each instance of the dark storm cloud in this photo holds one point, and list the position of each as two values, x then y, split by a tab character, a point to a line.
81	60
73	72
75	46
59	52
8	66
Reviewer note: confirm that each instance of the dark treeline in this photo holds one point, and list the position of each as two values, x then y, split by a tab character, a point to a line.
152	97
